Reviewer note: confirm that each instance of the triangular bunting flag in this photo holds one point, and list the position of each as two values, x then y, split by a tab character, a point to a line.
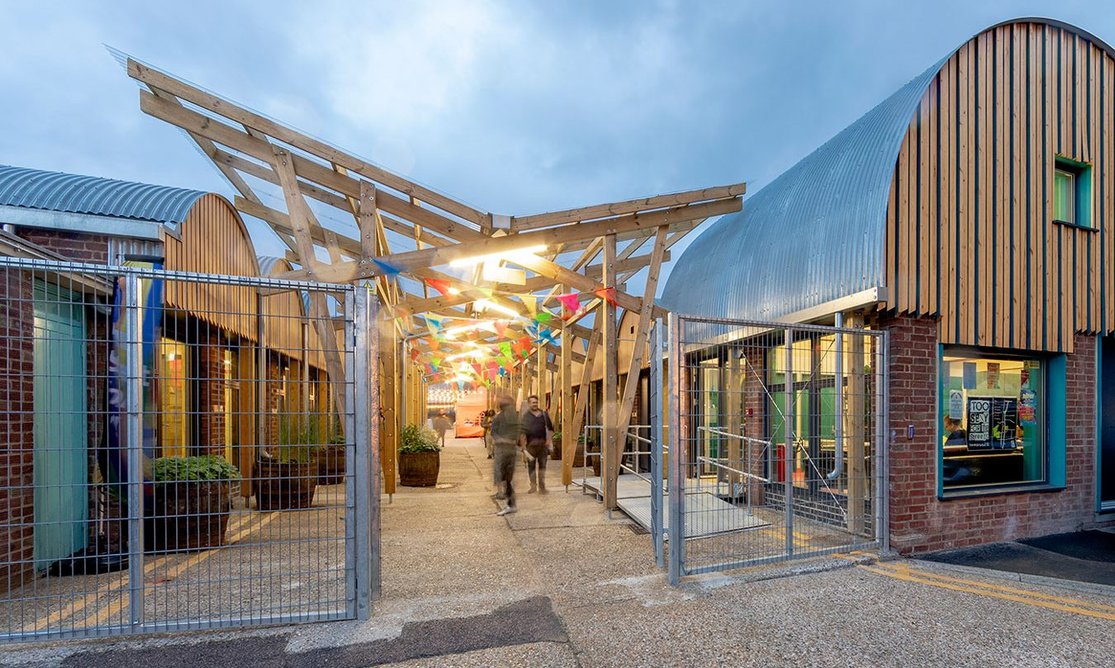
570	302
607	294
388	270
438	284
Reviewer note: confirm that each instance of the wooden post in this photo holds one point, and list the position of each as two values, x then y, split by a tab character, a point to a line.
855	429
611	445
639	347
389	400
568	432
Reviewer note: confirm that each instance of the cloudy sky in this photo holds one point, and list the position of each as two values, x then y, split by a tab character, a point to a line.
513	107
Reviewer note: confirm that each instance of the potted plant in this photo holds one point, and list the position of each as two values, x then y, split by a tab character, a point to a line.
331	457
286	475
593	448
190	505
556	439
419	457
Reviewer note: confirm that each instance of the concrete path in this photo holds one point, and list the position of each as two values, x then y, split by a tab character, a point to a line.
560	584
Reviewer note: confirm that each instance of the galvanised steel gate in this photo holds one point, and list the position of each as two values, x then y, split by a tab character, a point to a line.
776	442
182	451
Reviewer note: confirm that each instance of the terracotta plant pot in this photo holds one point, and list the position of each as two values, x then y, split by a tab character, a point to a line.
331	465
419	469
189	515
284	486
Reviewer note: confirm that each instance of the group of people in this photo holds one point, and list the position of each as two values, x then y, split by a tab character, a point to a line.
507	434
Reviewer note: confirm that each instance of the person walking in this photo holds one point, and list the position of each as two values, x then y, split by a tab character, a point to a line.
486	425
442	424
538	429
507	440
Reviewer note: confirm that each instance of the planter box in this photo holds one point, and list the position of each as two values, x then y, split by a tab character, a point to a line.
187	516
281	486
331	465
419	469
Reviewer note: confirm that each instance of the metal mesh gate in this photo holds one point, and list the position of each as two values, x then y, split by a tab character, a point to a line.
181	451
776	442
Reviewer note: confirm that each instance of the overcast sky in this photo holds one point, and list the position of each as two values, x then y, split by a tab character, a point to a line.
513	107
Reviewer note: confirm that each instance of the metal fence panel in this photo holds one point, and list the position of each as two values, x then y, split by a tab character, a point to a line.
180	451
776	442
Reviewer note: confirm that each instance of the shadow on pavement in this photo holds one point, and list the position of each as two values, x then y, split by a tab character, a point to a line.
1081	556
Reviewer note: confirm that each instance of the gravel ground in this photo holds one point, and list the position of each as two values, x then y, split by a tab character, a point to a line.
560	584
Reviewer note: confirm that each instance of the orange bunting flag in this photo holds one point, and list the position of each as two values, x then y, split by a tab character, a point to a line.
438	284
501	327
607	294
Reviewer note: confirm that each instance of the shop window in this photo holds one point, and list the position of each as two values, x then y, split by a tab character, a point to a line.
1072	193
994	420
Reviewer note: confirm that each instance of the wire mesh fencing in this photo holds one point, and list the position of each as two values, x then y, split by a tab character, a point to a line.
178	451
776	446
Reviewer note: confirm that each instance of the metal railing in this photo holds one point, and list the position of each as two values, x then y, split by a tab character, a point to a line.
182	451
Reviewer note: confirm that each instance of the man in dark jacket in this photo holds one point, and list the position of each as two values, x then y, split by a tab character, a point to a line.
537	427
507	439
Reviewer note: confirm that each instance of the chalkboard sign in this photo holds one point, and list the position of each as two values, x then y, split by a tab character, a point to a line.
992	423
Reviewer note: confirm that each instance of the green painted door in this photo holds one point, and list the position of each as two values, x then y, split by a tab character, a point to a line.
60	473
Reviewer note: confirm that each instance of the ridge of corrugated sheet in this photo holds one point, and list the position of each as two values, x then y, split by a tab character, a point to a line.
72	193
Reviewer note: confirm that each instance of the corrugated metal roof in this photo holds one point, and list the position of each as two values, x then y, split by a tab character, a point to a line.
71	193
268	263
813	235
817	232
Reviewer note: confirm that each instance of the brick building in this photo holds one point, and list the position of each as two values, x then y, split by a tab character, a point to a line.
970	215
54	356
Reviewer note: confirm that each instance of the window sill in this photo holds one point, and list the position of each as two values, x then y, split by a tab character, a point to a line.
998	490
1065	223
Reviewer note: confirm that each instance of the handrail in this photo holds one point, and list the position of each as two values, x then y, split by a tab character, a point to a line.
715	461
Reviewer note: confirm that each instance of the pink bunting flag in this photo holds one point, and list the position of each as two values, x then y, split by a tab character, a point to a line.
570	302
501	327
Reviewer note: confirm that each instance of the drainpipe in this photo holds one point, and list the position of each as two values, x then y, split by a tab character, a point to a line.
838	467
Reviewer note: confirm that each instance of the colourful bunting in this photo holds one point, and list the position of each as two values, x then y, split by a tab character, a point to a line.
387	269
570	302
441	285
543	317
607	294
501	327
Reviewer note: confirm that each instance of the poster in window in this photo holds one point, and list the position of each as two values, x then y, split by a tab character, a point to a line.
1028	401
992	375
992	423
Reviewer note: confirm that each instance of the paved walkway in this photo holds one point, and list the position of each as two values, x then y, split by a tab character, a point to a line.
560	584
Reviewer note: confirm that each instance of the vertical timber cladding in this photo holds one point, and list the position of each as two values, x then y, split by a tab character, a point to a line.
970	235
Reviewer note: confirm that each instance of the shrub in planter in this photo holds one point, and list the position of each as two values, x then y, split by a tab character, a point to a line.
419	457
191	503
285	476
331	458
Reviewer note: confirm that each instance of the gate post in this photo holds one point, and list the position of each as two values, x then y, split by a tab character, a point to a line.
133	351
788	429
363	486
678	453
654	412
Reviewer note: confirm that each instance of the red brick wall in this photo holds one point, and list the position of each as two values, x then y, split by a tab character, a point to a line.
17	443
86	248
919	522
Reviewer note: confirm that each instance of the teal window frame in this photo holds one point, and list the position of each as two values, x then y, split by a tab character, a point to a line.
1055	413
1081	173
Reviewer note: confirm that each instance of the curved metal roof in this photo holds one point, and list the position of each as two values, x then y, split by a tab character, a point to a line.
268	264
55	191
816	233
